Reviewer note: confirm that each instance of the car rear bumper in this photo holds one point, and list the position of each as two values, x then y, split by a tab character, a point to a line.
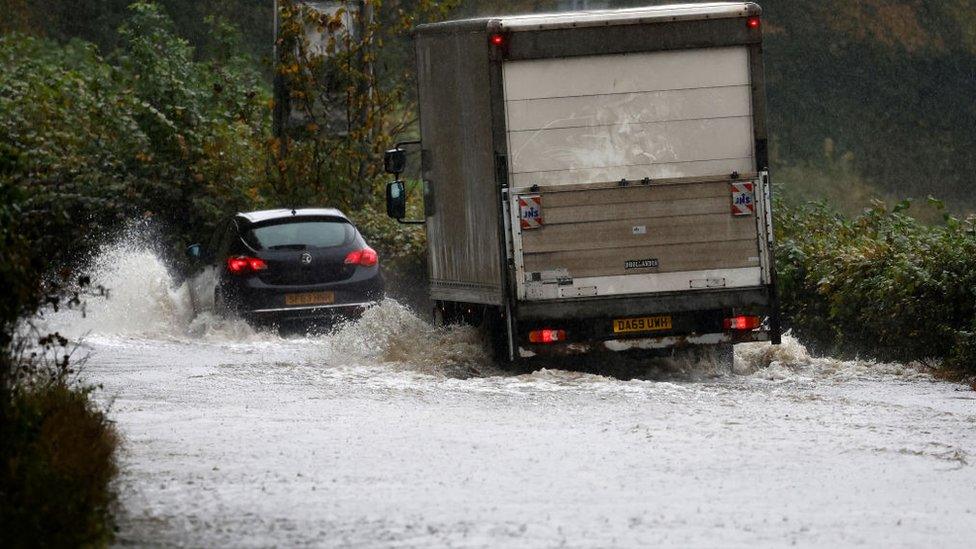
338	311
257	300
314	308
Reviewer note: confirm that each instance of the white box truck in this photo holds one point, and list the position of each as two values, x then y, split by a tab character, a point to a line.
597	181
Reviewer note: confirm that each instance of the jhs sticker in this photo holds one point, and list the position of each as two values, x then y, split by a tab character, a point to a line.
530	211
743	200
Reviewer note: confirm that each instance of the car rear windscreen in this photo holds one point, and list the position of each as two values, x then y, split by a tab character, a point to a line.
300	234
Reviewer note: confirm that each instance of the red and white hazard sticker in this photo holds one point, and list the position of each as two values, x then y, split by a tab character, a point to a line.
530	211
743	198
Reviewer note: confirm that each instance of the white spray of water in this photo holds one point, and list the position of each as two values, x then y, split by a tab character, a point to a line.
145	302
391	333
790	361
142	300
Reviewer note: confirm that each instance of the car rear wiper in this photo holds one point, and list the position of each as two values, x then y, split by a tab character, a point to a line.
289	247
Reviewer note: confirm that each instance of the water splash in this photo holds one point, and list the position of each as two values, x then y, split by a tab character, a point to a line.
391	333
142	299
791	361
145	302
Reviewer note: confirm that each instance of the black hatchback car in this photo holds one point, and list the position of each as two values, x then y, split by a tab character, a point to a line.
276	266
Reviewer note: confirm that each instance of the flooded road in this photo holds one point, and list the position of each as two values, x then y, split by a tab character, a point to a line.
392	433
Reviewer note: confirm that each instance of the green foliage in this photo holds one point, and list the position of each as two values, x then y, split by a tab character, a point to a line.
97	22
882	283
147	132
340	106
401	247
205	123
888	81
90	142
17	271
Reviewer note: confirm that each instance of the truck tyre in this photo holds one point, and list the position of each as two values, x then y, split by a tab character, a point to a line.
437	316
494	335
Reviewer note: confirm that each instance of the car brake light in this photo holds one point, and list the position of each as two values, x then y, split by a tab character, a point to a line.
365	258
547	336
742	322
240	265
753	22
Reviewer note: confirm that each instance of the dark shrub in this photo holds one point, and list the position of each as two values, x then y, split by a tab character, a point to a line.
56	469
881	284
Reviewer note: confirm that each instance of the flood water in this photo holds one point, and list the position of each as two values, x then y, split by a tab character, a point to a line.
390	432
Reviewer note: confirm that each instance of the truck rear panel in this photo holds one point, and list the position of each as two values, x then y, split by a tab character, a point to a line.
623	162
658	237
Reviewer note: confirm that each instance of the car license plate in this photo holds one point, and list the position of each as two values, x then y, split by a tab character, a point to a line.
310	298
642	324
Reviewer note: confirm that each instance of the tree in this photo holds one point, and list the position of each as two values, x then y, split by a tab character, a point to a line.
339	103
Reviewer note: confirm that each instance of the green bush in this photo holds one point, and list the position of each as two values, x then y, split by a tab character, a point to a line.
56	448
57	463
147	131
882	283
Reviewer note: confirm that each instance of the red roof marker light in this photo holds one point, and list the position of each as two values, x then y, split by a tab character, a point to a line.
754	22
497	40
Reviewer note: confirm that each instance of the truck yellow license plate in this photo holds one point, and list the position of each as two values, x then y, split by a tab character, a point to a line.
642	324
310	298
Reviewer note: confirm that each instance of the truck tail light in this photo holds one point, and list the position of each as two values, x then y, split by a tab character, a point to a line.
242	265
547	335
742	322
754	22
365	258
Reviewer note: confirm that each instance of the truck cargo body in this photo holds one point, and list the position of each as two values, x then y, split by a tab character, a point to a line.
600	177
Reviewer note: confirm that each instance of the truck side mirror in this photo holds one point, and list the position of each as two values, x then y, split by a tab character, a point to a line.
395	161
396	200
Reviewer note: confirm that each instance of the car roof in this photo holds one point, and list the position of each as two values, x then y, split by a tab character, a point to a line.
284	213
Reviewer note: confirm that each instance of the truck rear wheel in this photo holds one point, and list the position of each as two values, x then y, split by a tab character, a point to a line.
488	320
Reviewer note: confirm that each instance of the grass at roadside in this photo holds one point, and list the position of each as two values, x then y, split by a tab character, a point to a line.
58	464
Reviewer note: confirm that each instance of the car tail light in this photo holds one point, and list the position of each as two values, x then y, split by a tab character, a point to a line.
365	258
742	322
753	22
241	265
547	336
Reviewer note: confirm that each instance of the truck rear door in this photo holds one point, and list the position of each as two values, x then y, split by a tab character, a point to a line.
621	174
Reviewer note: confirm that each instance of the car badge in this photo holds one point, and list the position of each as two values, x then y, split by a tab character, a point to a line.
306	258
